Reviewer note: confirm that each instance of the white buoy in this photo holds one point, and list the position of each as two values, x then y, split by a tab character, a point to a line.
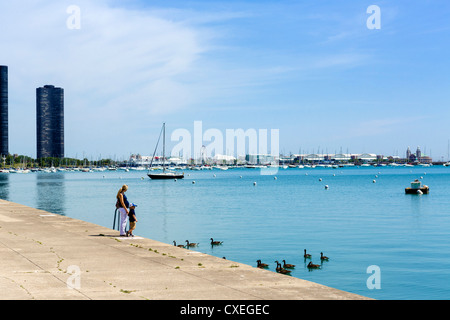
320	179
175	180
374	181
326	187
240	177
193	182
376	176
334	174
254	183
214	176
274	178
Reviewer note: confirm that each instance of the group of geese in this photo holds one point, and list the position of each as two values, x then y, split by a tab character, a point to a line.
284	269
280	269
195	244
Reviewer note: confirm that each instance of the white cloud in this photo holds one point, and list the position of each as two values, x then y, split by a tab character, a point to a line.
121	63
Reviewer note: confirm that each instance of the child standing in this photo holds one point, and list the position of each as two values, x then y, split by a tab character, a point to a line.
132	219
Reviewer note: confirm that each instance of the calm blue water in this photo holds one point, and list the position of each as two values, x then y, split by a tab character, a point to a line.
357	223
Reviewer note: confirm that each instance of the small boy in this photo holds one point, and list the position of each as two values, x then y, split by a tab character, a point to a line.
132	219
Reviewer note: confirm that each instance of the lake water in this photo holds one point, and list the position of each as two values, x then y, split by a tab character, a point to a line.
356	223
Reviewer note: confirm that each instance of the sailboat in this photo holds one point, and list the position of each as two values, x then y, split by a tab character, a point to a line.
164	174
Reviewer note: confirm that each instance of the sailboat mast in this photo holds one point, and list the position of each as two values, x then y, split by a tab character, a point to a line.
157	143
164	146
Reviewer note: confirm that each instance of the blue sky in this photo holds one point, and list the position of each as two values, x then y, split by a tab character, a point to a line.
311	69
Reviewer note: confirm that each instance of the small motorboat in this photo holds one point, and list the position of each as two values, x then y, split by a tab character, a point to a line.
417	188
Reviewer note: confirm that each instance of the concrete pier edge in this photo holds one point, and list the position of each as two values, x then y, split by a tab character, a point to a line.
47	256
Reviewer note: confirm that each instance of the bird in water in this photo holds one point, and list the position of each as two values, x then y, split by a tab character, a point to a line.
279	269
193	244
322	257
179	246
306	255
215	243
288	265
261	265
313	266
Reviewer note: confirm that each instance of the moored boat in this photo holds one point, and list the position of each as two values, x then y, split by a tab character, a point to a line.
164	174
417	188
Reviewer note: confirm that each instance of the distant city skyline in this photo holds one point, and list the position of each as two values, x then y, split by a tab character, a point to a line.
316	71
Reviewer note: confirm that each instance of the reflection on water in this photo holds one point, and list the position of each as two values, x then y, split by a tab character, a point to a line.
4	186
165	206
51	192
416	204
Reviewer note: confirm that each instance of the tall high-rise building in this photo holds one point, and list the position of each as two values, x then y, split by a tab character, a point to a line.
3	110
50	122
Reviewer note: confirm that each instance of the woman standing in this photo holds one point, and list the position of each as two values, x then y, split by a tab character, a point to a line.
122	204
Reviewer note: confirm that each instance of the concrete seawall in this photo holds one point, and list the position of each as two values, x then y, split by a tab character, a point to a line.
46	256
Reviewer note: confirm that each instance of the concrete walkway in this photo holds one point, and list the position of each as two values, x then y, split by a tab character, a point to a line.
46	256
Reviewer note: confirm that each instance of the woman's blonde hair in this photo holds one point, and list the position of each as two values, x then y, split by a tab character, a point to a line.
124	188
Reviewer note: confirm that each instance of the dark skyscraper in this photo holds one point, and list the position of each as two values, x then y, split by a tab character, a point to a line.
50	122
3	110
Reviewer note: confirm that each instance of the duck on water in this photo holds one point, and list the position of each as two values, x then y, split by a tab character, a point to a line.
279	269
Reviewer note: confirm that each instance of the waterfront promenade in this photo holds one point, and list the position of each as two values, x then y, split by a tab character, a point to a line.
46	256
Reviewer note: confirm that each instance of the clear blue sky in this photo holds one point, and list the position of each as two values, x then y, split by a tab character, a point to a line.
311	69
